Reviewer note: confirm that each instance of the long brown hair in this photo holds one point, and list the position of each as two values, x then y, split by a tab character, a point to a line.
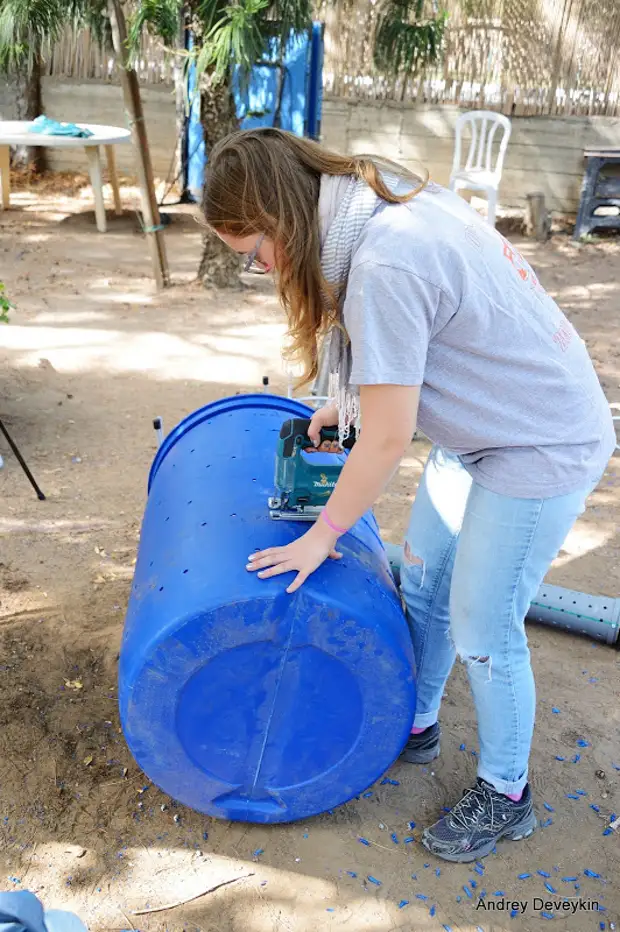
267	181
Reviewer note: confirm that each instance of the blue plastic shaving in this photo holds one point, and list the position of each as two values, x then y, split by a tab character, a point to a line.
438	872
601	926
543	873
367	795
571	796
446	809
427	865
513	913
390	782
499	893
474	753
462	747
524	876
408	839
613	817
607	831
546	823
403	903
467	891
421	896
550	888
595	807
576	758
557	757
588	873
205	836
548	807
615	766
581	792
330	910
569	879
364	841
483	893
258	852
554	710
411	825
546	915
473	884
414	876
351	873
374	880
458	899
394	837
432	910
582	743
446	928
479	868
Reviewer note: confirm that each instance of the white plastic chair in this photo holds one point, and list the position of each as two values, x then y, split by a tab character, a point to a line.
482	169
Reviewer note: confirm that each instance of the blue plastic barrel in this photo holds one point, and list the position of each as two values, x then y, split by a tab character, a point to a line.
237	699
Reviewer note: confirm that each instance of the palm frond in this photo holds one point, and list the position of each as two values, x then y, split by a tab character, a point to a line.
281	17
160	17
234	38
26	24
405	43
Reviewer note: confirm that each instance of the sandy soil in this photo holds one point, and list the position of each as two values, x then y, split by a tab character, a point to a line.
92	354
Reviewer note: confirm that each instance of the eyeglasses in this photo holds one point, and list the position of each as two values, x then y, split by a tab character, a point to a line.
250	264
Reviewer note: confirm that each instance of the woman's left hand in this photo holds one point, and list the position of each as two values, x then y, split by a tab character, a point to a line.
305	555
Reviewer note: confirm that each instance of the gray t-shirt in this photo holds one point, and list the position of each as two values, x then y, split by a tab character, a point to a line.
436	297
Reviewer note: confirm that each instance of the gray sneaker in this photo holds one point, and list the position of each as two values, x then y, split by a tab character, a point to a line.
483	816
422	748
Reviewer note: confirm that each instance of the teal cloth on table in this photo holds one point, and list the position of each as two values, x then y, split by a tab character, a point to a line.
47	127
22	912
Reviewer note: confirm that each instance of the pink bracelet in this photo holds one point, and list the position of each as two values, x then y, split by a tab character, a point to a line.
330	524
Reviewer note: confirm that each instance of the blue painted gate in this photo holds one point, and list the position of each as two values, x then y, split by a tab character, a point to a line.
300	110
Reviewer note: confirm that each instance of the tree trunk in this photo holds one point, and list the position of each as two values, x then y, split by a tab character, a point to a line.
219	265
26	86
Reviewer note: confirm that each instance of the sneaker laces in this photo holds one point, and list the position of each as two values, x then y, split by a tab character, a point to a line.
469	809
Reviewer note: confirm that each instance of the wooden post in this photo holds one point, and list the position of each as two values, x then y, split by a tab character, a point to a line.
133	106
537	222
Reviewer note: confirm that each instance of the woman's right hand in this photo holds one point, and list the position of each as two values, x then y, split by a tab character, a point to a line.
324	417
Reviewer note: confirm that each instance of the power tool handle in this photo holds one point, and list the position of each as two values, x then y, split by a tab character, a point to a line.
294	432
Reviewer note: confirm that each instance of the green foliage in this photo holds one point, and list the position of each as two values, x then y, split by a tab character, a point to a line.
26	24
160	17
405	41
226	33
5	306
234	36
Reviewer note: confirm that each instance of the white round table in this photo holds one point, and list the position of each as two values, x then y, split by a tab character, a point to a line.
16	133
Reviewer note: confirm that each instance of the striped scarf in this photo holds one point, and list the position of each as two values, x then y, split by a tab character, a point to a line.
345	206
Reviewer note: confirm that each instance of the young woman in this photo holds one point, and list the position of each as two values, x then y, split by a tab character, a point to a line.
436	322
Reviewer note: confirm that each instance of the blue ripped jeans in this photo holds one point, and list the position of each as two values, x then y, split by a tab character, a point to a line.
473	563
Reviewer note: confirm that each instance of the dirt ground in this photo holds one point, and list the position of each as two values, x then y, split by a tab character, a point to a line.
91	355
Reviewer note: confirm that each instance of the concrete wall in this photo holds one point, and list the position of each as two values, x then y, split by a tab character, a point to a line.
544	154
94	102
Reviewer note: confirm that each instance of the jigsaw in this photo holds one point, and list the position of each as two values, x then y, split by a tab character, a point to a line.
304	481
